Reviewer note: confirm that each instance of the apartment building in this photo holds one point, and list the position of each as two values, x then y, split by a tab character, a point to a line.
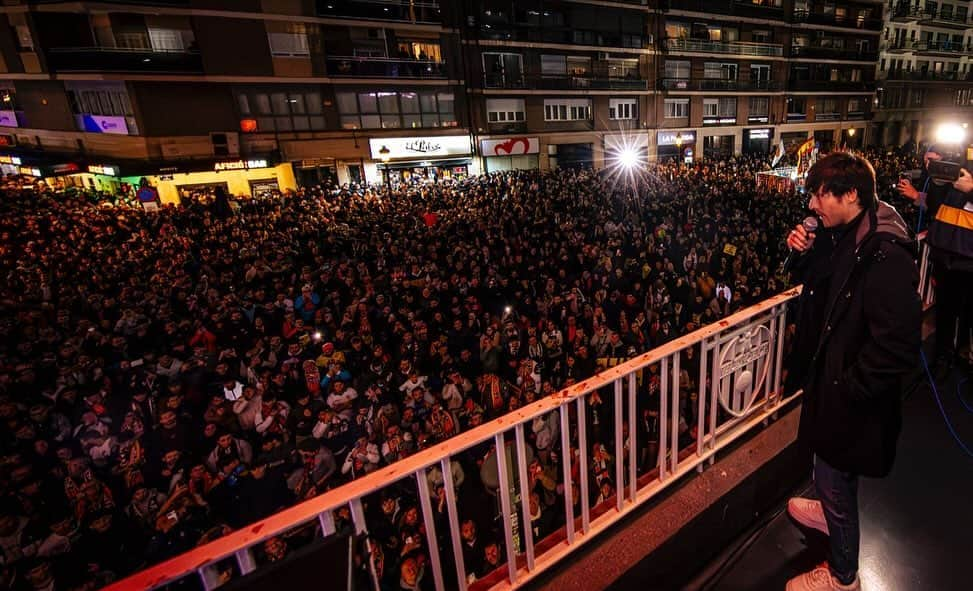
249	94
253	94
925	69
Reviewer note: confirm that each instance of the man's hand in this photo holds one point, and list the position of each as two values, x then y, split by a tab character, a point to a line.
800	239
906	189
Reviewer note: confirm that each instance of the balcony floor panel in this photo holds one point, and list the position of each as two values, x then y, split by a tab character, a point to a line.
915	523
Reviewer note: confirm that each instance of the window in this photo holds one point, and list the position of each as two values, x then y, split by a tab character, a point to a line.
719	71
710	107
166	39
25	40
8	100
554	65
918	97
796	109
677	108
567	110
761	36
759	106
503	70
677	69
623	108
855	106
393	110
827	107
283	111
505	110
288	44
760	72
719	110
105	102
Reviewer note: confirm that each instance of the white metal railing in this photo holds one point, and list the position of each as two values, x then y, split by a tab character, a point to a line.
926	288
730	47
738	381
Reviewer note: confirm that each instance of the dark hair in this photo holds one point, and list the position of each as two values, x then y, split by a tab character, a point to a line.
842	172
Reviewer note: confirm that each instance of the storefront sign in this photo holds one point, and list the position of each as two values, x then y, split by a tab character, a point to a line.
719	120
239	165
514	146
759	134
10	160
67	168
8	119
103	169
102	124
28	171
668	138
423	147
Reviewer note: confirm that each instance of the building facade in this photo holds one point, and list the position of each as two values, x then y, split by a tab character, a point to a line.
253	94
925	69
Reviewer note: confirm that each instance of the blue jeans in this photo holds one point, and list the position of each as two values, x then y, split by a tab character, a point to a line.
838	492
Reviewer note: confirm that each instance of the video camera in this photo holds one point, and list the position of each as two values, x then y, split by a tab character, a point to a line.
946	169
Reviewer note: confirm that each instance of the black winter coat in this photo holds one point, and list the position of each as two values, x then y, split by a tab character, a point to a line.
857	342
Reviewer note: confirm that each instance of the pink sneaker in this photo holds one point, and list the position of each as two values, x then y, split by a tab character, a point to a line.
809	513
820	579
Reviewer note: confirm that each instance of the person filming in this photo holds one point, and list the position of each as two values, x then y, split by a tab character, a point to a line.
857	341
950	237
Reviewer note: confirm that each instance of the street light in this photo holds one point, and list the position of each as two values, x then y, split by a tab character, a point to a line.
679	145
384	153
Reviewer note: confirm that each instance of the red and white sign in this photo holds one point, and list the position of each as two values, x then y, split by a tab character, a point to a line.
514	146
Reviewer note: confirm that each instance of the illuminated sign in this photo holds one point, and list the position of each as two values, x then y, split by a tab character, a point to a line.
239	165
719	120
514	146
103	169
65	168
759	134
102	124
8	119
425	147
668	138
10	160
28	171
248	125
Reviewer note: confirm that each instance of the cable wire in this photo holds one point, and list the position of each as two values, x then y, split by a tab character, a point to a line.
942	409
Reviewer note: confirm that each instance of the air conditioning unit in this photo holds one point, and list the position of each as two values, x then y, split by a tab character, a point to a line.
225	143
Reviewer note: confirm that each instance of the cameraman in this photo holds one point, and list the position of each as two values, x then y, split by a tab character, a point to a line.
950	238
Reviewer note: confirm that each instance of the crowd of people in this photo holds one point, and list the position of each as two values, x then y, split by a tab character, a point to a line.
169	376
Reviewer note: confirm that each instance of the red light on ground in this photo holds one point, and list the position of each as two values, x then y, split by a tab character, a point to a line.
248	125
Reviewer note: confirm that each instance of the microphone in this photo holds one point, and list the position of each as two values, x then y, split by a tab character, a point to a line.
810	225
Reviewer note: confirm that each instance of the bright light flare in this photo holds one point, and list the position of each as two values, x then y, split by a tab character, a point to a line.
628	158
950	133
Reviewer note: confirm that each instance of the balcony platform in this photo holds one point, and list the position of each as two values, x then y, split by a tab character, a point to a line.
915	523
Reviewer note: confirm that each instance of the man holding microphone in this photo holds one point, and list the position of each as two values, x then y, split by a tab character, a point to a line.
857	341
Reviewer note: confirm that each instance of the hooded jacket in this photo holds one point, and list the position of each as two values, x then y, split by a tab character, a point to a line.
858	338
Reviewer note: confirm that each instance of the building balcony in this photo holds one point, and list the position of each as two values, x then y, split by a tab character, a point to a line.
115	59
927	76
836	85
940	47
940	19
421	11
726	47
719	84
827	117
805	51
340	66
548	82
731	8
831	20
567	36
